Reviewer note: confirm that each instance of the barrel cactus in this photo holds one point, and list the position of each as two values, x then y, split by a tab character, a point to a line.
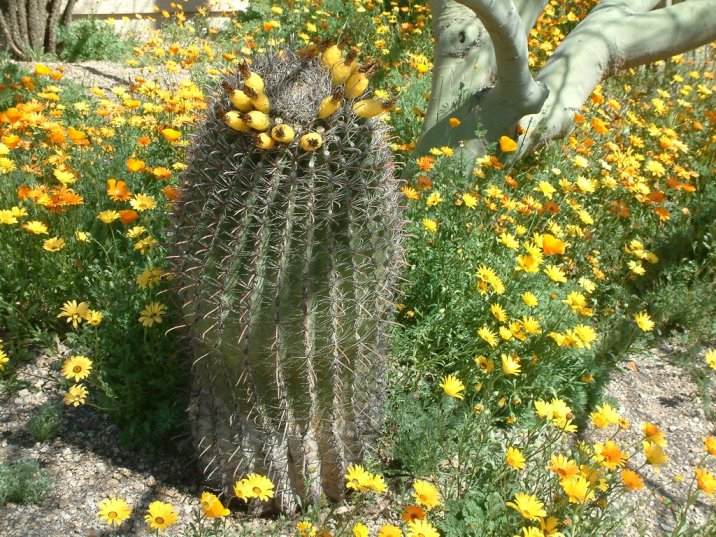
286	249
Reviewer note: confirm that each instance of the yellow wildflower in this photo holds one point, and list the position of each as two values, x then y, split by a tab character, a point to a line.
152	314
76	395
528	505
77	368
212	507
452	386
426	494
74	312
160	515
514	458
114	511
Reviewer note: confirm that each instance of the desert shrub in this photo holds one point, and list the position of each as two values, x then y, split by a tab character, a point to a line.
45	423
23	482
90	39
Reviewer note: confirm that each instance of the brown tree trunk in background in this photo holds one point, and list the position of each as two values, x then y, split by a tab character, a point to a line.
67	13
30	26
36	22
53	22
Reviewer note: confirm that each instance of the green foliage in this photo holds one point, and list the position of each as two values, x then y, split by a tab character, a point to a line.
10	384
11	89
46	422
140	375
91	39
23	482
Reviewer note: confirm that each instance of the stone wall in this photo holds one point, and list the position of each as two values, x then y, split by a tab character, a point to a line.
139	15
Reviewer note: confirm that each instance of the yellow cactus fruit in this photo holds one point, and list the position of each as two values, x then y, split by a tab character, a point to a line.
331	56
259	101
283	133
342	70
311	141
234	121
257	120
330	104
264	141
367	108
240	100
356	84
252	80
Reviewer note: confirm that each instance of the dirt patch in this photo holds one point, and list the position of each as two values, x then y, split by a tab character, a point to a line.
106	75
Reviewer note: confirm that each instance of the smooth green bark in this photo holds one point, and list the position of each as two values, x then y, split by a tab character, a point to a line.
481	74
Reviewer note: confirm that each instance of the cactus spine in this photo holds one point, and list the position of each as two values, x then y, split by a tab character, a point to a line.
287	245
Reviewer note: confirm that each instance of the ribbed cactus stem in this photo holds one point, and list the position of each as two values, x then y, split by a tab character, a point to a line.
286	255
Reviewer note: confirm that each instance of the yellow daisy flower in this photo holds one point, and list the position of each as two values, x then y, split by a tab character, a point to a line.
426	494
160	515
212	507
77	368
452	386
114	511
76	395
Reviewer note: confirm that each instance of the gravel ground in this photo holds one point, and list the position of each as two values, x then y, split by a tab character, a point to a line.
86	464
650	388
106	75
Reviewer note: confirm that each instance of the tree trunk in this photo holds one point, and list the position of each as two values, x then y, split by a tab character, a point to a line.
53	22
28	27
67	13
481	74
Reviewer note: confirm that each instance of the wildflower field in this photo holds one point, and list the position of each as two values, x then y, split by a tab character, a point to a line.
522	287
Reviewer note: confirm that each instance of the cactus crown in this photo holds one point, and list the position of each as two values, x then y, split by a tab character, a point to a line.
293	86
287	246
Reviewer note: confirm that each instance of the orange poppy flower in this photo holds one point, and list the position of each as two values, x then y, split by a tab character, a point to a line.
413	512
426	163
117	190
620	209
77	137
57	136
424	182
663	213
657	196
599	126
62	197
172	193
550	207
23	191
551	245
135	165
10	140
127	216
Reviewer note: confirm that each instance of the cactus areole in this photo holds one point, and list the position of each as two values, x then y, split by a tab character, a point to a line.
287	243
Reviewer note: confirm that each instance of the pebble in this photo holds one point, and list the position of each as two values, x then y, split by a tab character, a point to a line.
662	393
